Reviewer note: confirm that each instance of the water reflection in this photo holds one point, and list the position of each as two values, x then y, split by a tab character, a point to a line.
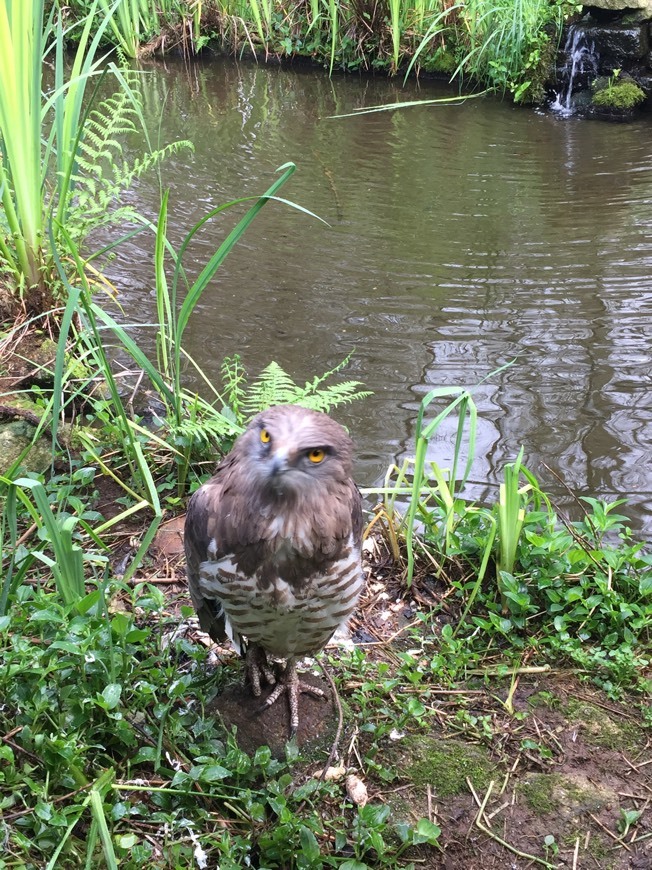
460	237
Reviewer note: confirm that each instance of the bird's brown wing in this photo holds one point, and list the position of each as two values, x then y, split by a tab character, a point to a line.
203	504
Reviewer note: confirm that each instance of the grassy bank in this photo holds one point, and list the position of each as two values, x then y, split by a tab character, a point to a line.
506	46
463	695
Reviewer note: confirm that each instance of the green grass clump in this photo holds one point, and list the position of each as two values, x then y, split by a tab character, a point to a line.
621	95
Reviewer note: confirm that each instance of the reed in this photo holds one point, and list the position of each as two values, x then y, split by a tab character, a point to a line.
40	135
501	43
132	22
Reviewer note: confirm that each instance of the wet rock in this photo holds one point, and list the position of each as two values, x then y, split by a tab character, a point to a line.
617	45
15	437
644	6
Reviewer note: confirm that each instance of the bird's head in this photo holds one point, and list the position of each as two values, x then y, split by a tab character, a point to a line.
292	450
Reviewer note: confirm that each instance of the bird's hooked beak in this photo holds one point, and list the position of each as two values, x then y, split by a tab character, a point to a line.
279	463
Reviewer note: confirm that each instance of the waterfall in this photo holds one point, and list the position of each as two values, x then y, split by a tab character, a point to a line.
580	68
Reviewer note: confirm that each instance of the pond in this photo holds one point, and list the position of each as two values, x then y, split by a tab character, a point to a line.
459	237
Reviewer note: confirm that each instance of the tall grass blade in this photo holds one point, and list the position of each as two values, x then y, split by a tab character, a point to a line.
97	809
68	564
511	515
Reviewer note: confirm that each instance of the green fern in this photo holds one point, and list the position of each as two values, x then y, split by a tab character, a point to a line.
102	172
233	378
274	386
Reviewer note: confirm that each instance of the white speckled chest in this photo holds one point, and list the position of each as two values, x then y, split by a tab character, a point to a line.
286	619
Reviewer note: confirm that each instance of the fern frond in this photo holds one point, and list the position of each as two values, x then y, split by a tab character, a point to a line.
233	377
274	386
102	172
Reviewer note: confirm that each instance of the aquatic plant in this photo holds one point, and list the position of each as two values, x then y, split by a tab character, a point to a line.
62	163
507	45
132	23
24	43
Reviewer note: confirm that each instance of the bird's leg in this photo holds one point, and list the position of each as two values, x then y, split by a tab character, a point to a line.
258	667
290	683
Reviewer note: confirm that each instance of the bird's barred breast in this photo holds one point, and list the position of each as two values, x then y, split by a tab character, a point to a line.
285	619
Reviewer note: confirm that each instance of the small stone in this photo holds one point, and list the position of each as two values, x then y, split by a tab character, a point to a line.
356	790
334	773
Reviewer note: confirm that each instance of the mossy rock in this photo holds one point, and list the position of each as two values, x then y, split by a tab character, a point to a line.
622	95
568	796
443	764
599	729
15	436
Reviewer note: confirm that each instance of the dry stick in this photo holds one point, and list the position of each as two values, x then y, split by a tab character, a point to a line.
340	719
643	837
11	733
576	853
500	840
477	799
54	800
499	810
577	501
26	752
611	834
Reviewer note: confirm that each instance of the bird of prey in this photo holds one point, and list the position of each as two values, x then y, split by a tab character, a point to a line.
273	546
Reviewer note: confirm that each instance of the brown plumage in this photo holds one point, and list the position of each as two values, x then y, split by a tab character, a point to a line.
273	544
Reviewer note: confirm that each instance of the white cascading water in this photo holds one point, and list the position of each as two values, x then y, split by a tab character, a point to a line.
581	61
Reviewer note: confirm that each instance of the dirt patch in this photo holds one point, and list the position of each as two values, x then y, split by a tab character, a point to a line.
548	792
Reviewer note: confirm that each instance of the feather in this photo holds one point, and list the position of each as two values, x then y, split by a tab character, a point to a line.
273	540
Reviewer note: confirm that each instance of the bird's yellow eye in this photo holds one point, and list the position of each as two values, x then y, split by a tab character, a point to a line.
316	455
265	437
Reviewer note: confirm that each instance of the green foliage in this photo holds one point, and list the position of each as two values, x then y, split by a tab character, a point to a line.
56	149
577	590
101	173
112	706
132	22
509	46
274	386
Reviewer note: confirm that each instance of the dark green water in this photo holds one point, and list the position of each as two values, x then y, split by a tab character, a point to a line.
460	237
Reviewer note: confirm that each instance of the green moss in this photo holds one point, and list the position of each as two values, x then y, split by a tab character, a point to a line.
445	765
441	61
599	729
621	95
538	792
567	796
544	699
599	847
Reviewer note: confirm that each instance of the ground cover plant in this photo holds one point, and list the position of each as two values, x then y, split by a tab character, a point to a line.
495	688
508	47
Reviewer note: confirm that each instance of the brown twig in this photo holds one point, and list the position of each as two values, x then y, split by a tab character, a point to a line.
610	833
340	719
504	843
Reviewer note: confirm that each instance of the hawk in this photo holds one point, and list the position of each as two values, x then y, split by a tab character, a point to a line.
273	546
